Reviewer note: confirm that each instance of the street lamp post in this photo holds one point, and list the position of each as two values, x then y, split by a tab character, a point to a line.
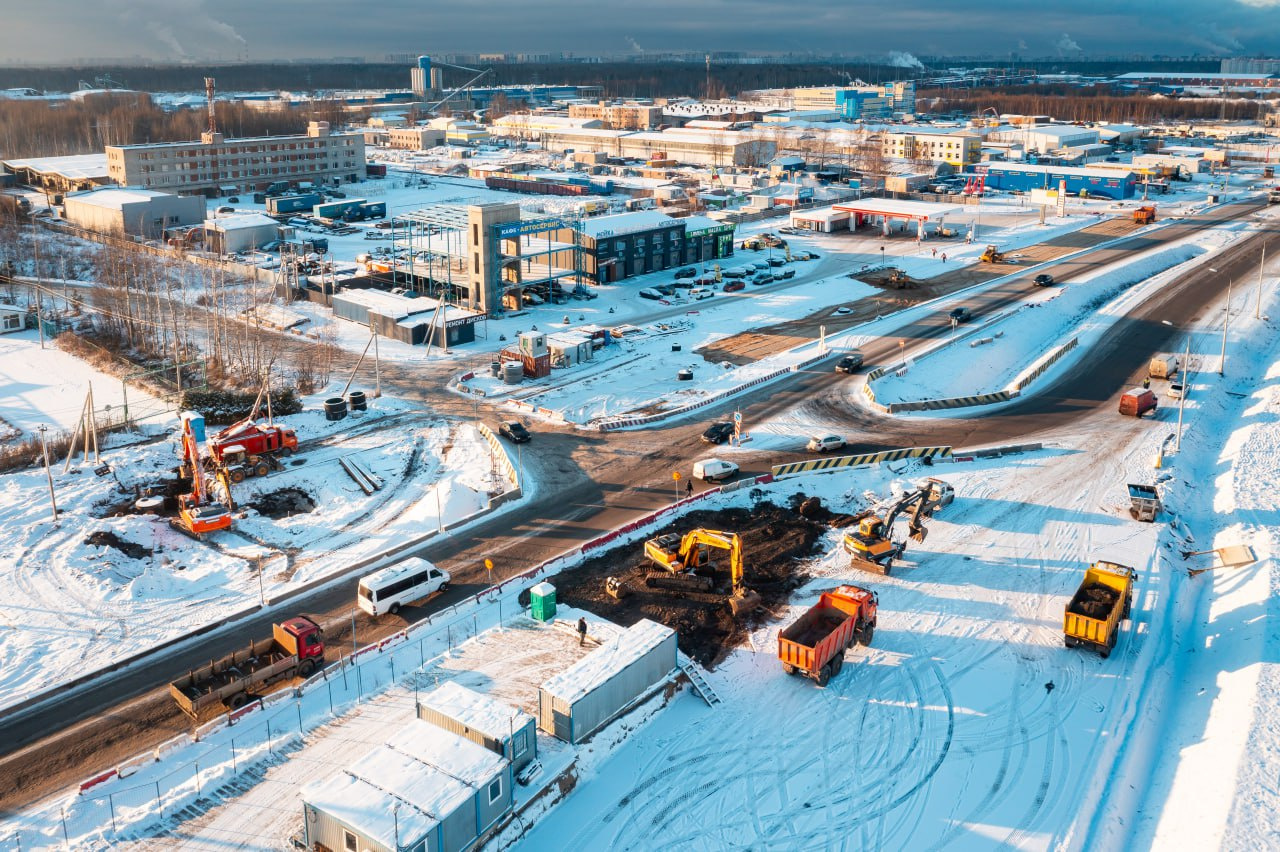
1226	319
1182	397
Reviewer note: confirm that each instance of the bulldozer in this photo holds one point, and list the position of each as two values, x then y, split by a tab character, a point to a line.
871	546
899	279
992	255
680	557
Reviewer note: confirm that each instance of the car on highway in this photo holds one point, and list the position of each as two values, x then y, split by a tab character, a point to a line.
687	272
849	363
514	431
650	293
824	443
1176	390
734	286
960	315
843	311
1044	279
710	470
718	433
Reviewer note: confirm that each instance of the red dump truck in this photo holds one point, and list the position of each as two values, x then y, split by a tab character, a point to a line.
814	644
296	648
248	449
1094	614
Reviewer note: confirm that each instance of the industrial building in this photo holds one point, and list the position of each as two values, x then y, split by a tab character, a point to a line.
628	244
1020	177
414	138
585	697
216	163
1045	138
61	174
933	144
851	102
620	116
138	212
426	789
423	79
693	146
243	232
410	320
499	727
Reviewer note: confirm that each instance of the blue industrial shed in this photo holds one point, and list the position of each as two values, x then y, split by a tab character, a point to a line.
1021	177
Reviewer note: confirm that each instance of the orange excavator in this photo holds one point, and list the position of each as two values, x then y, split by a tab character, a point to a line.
197	513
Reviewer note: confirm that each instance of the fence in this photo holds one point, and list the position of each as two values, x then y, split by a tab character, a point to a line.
837	462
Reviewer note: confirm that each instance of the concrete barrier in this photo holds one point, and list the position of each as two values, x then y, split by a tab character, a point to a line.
955	402
837	462
1039	370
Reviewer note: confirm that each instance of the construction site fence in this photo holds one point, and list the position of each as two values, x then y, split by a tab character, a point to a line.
837	462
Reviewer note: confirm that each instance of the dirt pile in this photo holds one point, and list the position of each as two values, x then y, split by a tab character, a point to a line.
1095	602
774	541
107	538
283	503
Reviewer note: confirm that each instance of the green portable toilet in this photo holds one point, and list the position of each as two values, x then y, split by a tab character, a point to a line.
542	601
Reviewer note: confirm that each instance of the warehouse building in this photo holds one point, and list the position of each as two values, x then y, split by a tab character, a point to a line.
594	691
242	232
425	789
1045	137
697	147
619	116
1095	182
137	212
499	727
410	320
933	144
851	102
61	174
628	244
216	163
414	138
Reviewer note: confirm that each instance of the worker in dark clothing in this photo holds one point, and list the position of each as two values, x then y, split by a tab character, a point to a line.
688	488
1048	687
582	631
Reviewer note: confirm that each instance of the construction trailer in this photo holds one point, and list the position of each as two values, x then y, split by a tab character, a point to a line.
499	727
424	789
588	695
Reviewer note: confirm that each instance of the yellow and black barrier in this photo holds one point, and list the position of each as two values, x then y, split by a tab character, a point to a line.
817	465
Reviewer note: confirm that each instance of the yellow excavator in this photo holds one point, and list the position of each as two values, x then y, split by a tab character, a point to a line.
680	558
871	546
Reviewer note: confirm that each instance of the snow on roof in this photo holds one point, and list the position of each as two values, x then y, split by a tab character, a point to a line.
821	214
1057	170
240	221
544	589
77	167
627	223
895	207
697	223
115	199
379	799
381	302
605	662
489	716
470	763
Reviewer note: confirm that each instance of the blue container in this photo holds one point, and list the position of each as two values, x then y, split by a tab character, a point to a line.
196	419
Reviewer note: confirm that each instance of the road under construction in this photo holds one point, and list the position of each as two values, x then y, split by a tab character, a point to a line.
590	483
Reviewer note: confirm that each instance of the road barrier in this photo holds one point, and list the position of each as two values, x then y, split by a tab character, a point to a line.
955	402
1039	370
500	453
837	462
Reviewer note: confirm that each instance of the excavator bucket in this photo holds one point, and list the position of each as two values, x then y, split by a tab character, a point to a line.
743	601
871	566
918	532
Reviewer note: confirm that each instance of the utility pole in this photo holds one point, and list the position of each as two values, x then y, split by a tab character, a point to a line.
1257	309
44	449
1226	320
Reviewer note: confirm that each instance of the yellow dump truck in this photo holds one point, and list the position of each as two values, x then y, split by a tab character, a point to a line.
1103	600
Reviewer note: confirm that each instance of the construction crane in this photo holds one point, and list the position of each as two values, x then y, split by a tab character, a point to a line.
871	546
680	558
197	513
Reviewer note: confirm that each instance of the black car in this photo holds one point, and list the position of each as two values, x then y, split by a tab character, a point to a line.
960	315
514	432
718	433
777	261
665	289
687	272
849	363
1044	280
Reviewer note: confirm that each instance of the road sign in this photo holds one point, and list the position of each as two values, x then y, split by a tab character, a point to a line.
737	417
675	474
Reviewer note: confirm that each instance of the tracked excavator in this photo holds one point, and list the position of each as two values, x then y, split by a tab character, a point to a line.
679	560
871	546
197	513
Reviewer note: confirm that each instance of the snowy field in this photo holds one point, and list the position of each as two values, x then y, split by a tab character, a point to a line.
104	582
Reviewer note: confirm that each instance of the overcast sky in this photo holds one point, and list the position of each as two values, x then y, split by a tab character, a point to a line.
64	30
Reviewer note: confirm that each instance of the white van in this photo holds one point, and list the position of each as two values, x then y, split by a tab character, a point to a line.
386	590
701	293
710	470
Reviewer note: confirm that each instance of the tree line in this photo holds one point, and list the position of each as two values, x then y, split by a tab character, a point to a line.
1073	103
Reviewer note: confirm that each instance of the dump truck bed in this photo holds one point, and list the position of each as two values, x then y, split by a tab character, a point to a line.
823	630
1094	614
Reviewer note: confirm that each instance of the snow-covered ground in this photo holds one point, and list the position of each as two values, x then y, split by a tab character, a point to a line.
104	582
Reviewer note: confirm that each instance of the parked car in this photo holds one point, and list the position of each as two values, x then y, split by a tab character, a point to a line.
1176	389
734	286
849	363
736	272
514	431
650	293
701	293
777	261
785	274
825	443
706	281
718	433
1044	279
665	289
759	266
1138	401
843	311
687	272
683	284
960	315
762	278
711	470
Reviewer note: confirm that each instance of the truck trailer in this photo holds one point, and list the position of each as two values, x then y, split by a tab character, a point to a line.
296	648
1094	614
814	644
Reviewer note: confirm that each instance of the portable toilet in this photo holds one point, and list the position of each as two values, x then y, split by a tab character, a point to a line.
197	424
542	601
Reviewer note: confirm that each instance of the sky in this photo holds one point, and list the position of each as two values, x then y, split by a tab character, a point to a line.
54	31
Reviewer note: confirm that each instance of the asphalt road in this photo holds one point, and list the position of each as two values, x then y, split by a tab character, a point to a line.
588	483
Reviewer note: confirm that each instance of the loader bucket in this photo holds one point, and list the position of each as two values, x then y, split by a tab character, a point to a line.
870	566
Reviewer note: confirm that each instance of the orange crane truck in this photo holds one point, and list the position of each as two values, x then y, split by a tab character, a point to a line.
296	647
814	644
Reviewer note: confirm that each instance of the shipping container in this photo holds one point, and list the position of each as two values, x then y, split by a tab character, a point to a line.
588	695
375	170
292	203
497	726
335	209
512	183
375	210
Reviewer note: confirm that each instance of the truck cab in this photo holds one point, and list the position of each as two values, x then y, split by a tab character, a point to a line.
302	638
